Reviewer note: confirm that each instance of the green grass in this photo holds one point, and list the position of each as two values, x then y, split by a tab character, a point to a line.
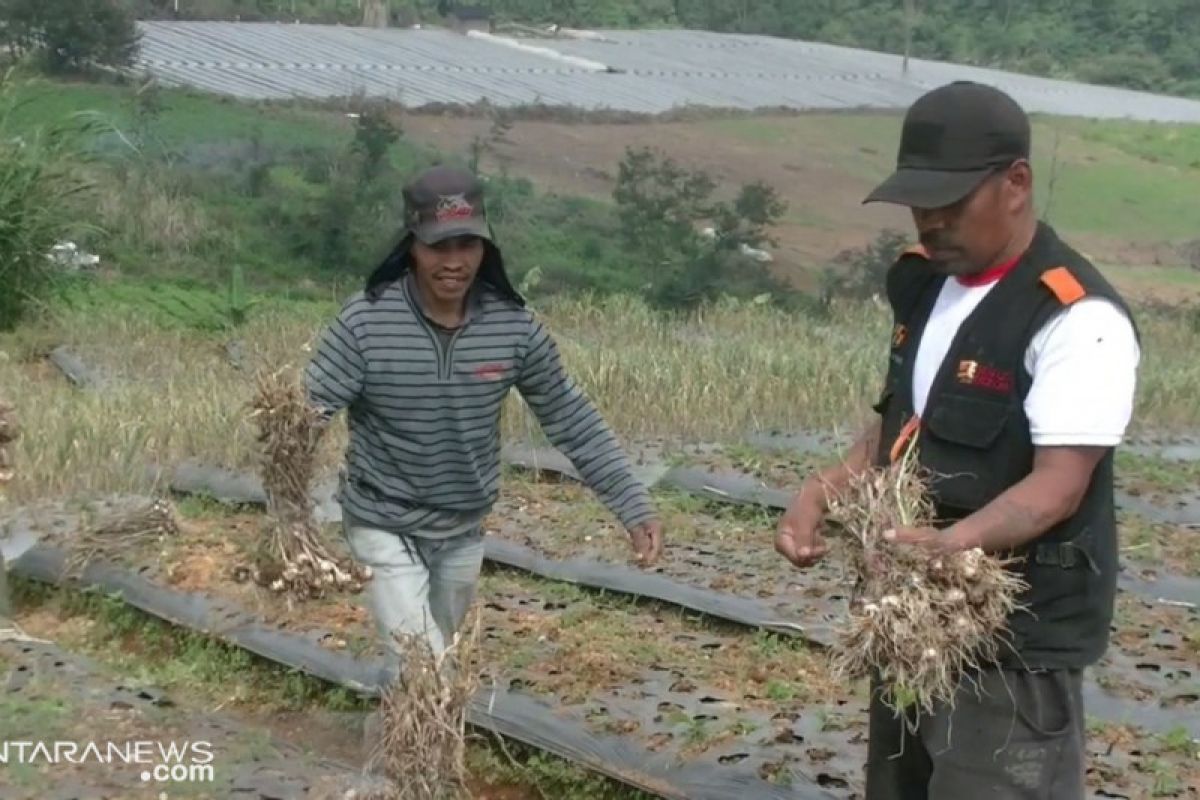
780	691
151	651
1180	741
1113	178
1155	280
176	199
1125	197
47	715
1157	142
187	118
1169	477
185	208
174	192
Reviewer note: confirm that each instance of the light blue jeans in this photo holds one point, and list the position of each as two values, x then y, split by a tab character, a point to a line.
419	586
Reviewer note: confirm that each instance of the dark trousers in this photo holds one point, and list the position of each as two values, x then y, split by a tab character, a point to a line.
1022	738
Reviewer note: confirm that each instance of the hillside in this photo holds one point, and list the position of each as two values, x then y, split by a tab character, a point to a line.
191	185
1118	189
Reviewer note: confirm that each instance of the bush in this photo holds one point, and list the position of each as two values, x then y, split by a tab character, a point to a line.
356	199
861	273
70	35
40	194
1139	71
664	211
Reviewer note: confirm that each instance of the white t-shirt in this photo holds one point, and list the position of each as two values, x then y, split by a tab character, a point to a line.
1083	361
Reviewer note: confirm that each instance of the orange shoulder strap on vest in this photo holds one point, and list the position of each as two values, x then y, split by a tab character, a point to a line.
1065	286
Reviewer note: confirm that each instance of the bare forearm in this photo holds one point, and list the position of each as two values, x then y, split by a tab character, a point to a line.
1023	513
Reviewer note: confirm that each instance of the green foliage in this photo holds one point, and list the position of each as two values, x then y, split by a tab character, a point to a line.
374	135
40	195
861	273
306	202
173	657
513	762
354	198
780	691
240	303
320	11
70	35
1136	43
663	208
1179	740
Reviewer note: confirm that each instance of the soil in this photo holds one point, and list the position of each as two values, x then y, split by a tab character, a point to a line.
689	688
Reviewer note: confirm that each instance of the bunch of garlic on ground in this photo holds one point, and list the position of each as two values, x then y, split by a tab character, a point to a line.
919	622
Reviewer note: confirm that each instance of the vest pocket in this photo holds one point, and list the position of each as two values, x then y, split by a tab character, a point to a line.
968	421
963	444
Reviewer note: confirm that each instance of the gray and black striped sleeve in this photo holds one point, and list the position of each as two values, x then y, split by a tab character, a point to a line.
572	423
334	377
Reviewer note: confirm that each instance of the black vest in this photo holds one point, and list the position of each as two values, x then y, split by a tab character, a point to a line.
975	437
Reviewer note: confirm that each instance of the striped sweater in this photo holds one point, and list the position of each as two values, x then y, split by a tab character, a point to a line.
424	411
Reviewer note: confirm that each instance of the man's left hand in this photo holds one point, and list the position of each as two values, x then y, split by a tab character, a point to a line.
647	541
932	540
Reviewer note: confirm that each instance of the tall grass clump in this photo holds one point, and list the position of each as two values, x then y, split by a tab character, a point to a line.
710	375
41	191
717	372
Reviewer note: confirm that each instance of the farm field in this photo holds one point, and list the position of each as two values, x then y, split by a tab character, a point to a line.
228	236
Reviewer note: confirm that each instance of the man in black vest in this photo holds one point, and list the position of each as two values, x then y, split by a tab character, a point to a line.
1013	364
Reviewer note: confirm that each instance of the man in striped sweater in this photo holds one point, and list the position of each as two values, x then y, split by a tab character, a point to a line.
423	359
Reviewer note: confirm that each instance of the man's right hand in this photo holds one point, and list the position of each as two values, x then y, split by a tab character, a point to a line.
797	538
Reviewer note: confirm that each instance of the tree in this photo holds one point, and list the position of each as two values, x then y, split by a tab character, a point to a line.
693	247
375	14
910	19
71	35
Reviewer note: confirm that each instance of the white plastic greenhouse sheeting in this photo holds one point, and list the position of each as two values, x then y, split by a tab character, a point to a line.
648	71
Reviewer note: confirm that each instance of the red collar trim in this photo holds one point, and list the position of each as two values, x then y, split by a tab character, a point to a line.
989	275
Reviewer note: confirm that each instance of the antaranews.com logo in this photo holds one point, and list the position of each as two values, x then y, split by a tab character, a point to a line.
156	762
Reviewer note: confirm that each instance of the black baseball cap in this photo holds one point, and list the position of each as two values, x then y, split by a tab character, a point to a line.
443	202
953	138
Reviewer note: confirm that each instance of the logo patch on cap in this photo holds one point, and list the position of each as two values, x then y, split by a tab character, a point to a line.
452	207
